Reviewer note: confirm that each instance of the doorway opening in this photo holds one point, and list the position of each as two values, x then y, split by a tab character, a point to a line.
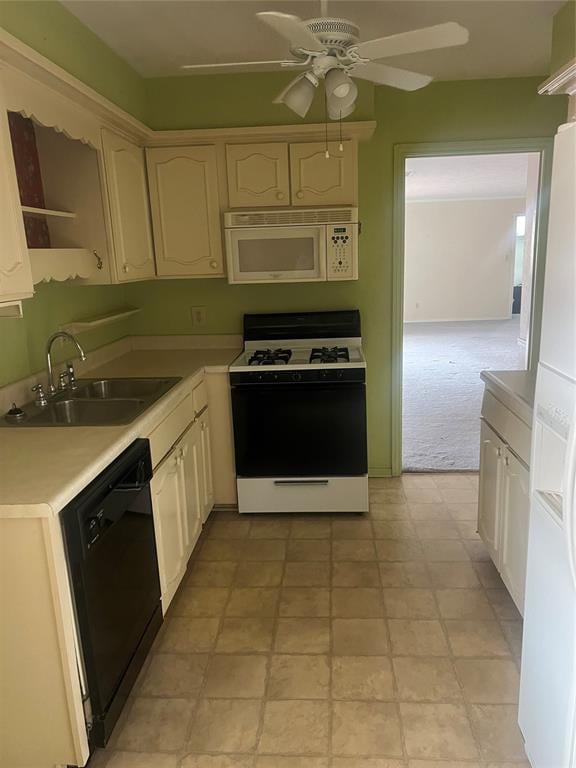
469	244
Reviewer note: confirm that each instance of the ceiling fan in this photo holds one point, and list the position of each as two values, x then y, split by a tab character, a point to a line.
329	49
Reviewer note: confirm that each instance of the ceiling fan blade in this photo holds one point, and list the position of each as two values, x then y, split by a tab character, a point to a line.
232	64
292	29
382	74
425	39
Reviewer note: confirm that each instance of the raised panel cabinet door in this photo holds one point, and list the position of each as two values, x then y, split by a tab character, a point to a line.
258	175
320	180
127	186
207	479
190	446
490	491
169	506
185	211
15	272
514	527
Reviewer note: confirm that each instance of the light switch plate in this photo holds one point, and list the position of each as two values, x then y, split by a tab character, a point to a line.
198	315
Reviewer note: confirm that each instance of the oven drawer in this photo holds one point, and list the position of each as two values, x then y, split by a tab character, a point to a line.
292	494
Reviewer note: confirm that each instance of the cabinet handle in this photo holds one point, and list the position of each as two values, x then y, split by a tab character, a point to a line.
279	195
507	460
214	264
498	452
299	194
125	268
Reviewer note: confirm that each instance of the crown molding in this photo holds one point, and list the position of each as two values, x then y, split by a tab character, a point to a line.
561	82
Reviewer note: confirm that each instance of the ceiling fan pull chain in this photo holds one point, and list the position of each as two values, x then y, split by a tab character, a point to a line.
326	153
341	145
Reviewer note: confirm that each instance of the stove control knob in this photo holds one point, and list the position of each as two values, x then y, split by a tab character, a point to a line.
296	377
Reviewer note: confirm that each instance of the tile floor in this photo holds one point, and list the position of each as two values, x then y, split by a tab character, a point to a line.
387	641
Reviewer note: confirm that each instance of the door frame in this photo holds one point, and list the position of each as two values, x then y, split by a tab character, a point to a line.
402	152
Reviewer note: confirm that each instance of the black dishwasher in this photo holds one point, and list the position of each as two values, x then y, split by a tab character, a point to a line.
111	552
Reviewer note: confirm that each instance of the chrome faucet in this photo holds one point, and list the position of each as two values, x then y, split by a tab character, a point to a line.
51	340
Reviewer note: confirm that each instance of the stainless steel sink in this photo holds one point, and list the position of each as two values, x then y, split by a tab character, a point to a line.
96	403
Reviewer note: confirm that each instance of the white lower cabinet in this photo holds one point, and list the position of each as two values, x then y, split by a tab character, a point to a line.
503	510
206	456
191	452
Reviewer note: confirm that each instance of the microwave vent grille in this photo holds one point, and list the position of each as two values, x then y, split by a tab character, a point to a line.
290	217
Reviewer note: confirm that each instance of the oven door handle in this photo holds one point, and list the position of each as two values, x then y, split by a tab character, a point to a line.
301	482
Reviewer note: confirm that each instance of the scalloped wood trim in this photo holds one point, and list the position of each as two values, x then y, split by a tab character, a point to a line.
61	264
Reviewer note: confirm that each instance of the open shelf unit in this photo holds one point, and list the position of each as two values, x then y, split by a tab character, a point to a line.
29	210
89	323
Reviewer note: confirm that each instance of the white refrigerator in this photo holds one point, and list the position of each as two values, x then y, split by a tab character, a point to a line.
547	712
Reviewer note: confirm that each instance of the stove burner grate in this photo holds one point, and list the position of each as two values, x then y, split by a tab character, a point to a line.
329	355
270	357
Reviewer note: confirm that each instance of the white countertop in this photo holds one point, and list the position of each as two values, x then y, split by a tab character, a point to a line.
43	468
514	389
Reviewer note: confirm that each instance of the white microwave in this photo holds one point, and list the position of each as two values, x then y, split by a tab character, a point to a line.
288	246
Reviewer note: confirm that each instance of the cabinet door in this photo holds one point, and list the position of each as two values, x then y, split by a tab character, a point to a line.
320	180
489	498
207	481
129	211
169	505
258	175
190	446
514	527
15	273
185	211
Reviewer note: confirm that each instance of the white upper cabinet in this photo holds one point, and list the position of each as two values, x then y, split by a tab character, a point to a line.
318	180
15	272
186	211
129	211
258	175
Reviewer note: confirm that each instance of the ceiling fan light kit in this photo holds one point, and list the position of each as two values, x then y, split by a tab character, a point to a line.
299	94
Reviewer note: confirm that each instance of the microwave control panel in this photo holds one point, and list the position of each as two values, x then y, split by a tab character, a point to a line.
342	251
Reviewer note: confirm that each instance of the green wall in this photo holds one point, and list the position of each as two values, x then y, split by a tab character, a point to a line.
563	36
443	112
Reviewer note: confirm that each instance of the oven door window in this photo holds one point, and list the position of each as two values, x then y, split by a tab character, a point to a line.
300	430
273	254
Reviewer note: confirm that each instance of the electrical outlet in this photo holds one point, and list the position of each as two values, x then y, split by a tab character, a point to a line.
198	315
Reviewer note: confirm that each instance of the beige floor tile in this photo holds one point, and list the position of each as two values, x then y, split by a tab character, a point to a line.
217	761
311	528
226	530
461	512
496	727
384	482
170	674
476	638
252	601
468	529
367	762
199	601
464	604
366	728
437	731
258	574
183	635
420	679
307	575
295	727
384	511
346	574
352	529
236	677
353	549
513	633
220	549
136	760
359	602
476	551
277	761
393	550
459	495
488	575
208	574
394	529
423	495
225	725
264	549
437	529
362	678
442	764
410	603
404	575
503	605
156	725
302	636
245	635
359	637
453	575
417	480
298	677
429	512
488	681
417	638
453	480
305	601
445	550
388	496
309	549
270	529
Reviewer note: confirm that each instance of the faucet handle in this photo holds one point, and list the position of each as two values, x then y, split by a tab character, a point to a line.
62	381
71	376
41	399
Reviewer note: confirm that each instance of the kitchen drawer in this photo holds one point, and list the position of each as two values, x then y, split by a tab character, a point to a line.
333	494
168	431
510	428
200	398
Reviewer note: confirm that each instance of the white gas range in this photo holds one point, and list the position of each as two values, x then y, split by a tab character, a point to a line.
299	410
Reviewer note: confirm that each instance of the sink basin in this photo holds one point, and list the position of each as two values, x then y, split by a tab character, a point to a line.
76	412
104	389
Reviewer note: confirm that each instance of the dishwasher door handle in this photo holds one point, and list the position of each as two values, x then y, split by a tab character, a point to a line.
301	482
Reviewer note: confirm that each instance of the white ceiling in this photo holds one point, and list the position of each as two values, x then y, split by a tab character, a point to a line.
508	38
467	177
